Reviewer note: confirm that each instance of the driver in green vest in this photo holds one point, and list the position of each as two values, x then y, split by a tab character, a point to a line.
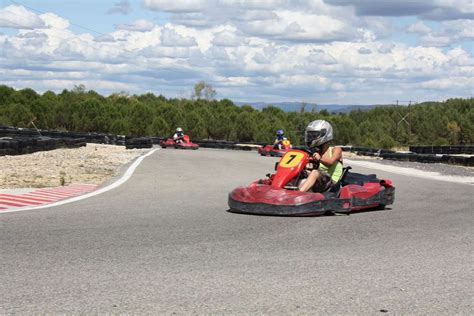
318	135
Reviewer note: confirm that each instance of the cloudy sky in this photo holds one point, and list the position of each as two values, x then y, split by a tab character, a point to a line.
322	51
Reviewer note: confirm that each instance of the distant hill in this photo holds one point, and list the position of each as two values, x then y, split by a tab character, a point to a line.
296	106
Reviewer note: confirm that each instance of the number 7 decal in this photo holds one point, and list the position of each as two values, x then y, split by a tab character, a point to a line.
291	159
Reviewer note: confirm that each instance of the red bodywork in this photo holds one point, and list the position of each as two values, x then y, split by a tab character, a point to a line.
270	150
366	196
185	144
272	190
278	194
289	167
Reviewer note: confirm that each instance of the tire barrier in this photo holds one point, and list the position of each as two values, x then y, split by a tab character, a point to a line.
366	151
97	138
56	139
138	142
28	145
427	158
444	150
425	154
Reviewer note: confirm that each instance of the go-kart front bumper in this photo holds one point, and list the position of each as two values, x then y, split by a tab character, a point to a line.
267	200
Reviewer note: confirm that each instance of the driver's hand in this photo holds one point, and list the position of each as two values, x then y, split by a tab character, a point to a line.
316	156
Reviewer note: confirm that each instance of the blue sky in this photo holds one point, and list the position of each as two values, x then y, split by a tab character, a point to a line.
318	51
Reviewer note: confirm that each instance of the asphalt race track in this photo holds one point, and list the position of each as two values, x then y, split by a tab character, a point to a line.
164	242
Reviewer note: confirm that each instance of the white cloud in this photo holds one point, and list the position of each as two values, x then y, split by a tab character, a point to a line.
450	32
430	40
171	38
193	19
364	51
252	50
386	48
277	20
227	38
298	26
434	10
121	7
140	25
256	15
18	17
217	54
54	21
449	83
160	51
460	29
253	4
175	6
419	27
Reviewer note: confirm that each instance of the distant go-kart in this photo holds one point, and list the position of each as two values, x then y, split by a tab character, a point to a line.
278	194
277	150
184	144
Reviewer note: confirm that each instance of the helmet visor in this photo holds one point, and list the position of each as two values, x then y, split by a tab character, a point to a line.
313	135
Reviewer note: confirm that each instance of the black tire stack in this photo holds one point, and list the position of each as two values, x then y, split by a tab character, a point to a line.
444	150
139	142
425	154
28	145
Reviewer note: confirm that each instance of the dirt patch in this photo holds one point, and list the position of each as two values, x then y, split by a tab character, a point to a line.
92	164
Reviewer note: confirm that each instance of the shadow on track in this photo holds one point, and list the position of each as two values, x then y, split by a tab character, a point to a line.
327	214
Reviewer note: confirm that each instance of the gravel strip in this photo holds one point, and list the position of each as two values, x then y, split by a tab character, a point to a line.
92	164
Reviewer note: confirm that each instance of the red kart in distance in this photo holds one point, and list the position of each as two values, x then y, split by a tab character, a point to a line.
184	144
278	194
277	150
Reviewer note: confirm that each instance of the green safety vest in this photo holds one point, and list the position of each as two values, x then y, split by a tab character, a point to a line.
335	171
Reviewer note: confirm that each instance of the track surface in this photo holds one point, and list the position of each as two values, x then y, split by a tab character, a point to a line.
163	242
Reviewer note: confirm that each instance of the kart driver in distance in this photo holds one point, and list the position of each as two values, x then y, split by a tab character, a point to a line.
318	135
178	136
277	144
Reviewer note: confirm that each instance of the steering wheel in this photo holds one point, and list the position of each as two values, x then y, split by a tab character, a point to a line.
305	149
310	153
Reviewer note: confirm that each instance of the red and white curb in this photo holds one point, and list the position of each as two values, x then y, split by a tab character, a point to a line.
43	196
48	197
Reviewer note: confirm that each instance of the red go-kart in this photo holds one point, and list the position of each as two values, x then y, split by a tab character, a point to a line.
184	144
277	150
278	194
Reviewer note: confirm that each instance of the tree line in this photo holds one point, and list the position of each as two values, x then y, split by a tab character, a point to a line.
430	123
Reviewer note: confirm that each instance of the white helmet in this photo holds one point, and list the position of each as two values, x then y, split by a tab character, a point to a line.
179	130
317	133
